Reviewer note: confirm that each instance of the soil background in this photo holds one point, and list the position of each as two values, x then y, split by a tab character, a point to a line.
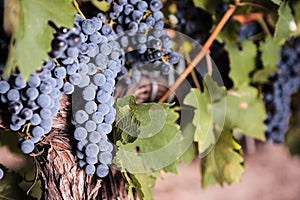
270	174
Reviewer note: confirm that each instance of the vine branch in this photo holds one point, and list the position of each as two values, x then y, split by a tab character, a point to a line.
202	53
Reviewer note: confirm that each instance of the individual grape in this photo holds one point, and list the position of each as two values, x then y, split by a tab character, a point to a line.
45	113
18	82
44	100
91	160
88	93
26	113
13	95
34	80
81	144
105	157
90	107
99	79
82	163
81	116
4	87
68	88
94	137
106	30
104	128
142	6
155	5
92	69
80	133
79	154
1	173
102	170
91	150
35	120
75	79
90	126
37	131
97	117
15	107
14	127
90	169
32	93
60	72
85	81
109	118
88	26
16	120
27	146
103	108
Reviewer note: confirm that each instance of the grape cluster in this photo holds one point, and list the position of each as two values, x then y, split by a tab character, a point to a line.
85	62
139	26
278	91
100	59
32	103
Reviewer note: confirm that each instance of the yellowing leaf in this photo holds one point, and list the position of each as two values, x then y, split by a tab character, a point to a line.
223	164
32	37
242	61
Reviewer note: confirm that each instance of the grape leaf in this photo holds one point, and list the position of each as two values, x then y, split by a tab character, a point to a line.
242	61
101	5
244	105
207	5
32	37
209	113
157	146
224	163
261	76
285	23
9	187
278	2
270	52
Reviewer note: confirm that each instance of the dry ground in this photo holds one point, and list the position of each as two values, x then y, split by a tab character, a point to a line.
270	174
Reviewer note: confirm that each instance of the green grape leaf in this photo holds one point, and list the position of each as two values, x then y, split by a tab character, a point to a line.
32	37
150	137
224	163
101	5
191	152
9	139
278	2
243	105
285	24
9	187
207	5
209	113
270	52
261	76
242	61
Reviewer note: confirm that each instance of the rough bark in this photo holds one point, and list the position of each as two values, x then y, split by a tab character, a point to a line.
61	177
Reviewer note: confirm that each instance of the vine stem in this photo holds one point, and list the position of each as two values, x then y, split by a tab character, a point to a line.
201	54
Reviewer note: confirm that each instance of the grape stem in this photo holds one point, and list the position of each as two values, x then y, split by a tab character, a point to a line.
202	53
75	3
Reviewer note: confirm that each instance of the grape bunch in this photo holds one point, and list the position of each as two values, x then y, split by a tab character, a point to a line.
139	27
85	62
279	89
32	104
92	73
